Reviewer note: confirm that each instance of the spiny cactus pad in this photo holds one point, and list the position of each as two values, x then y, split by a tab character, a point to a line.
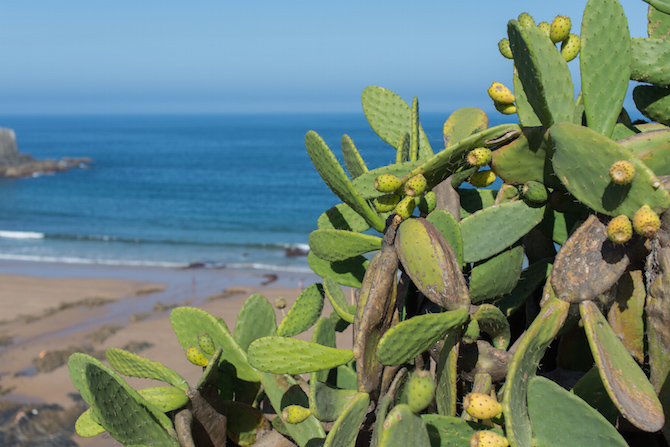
281	355
346	427
256	319
352	158
349	272
342	217
133	365
463	123
403	427
497	275
304	313
338	245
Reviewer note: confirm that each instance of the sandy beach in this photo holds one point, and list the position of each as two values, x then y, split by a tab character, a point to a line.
51	310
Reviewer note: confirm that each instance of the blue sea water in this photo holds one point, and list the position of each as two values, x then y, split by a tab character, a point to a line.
171	190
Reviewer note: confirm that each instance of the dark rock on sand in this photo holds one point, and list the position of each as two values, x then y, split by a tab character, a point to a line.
15	164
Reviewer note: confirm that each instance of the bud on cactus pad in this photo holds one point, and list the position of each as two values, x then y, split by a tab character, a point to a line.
505	109
622	172
386	203
545	27
420	391
196	356
487	438
295	414
535	192
504	48
280	302
428	202
620	230
482	179
481	406
570	47
206	343
526	20
387	183
560	29
405	207
479	157
416	185
500	94
646	222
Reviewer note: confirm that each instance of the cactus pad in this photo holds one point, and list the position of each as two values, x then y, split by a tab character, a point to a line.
256	319
304	313
281	355
133	365
342	217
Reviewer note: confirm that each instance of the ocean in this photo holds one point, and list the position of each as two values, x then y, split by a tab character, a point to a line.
232	191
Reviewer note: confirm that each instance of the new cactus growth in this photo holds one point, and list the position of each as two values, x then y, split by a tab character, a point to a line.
526	20
481	406
560	28
504	48
646	222
387	183
622	172
619	229
500	94
479	157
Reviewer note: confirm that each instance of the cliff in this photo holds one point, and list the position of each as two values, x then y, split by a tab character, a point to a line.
15	164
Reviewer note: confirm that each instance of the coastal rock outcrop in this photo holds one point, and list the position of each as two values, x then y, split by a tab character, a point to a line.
15	164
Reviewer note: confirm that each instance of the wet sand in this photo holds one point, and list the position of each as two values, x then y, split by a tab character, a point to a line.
51	310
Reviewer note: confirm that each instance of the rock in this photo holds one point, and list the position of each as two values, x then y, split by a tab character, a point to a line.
14	164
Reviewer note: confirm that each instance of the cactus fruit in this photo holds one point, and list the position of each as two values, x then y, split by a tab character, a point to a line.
420	391
505	109
206	343
545	27
535	192
560	29
504	48
280	303
196	356
428	202
416	185
646	222
482	179
526	20
387	183
386	203
405	207
570	47
481	406
479	157
500	94
295	414
488	438
619	229
622	172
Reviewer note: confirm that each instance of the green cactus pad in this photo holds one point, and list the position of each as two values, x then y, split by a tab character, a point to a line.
473	200
352	158
655	152
334	176
523	366
304	313
543	73
342	217
496	276
531	278
626	383
138	422
86	427
658	23
281	355
626	316
605	61
283	390
591	389
256	319
654	102
559	418
411	337
244	423
402	427
133	365
462	123
582	160
337	299
649	59
391	117
349	272
345	430
404	147
165	398
444	221
338	245
524	159
446	376
449	431
364	184
189	322
524	110
324	334
327	402
511	221
494	323
383	407
430	262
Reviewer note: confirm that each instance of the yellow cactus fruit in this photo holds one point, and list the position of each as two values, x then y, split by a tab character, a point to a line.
482	179
526	20
295	414
622	172
387	183
416	185
487	438
646	222
501	94
620	230
405	207
196	356
545	27
386	203
560	29
505	109
481	406
505	49
479	157
570	47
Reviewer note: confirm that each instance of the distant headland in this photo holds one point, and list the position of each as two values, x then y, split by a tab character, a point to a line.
14	164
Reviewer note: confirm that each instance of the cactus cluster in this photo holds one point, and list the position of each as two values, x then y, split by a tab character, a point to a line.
457	305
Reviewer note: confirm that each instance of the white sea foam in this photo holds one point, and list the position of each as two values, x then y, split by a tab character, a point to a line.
276	268
75	260
21	235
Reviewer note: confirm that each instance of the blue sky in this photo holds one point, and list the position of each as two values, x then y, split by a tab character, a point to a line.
129	56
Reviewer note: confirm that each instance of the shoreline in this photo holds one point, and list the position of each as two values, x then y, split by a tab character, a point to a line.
57	309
